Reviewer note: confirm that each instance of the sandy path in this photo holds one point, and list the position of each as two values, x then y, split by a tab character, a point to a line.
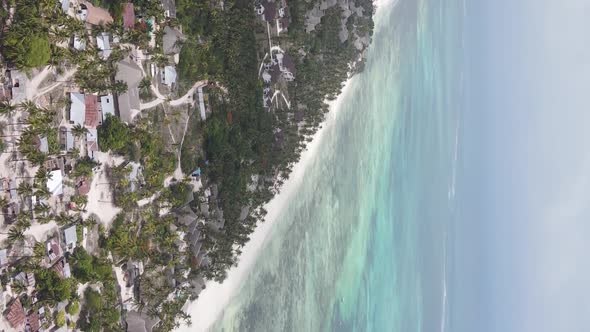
186	99
100	196
35	82
60	80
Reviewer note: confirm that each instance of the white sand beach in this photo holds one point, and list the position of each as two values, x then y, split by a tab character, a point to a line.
215	297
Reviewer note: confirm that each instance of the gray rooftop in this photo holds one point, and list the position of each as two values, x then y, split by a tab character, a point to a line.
70	235
139	322
130	73
169	7
171	38
3	257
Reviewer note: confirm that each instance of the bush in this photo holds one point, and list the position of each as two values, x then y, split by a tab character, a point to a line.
60	319
73	308
114	135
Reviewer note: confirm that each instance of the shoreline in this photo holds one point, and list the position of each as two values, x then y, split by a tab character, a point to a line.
213	300
215	297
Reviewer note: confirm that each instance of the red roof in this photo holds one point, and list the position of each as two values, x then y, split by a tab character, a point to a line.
128	16
91	102
16	314
34	322
59	268
83	186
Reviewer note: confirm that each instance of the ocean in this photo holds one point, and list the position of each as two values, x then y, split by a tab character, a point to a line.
362	243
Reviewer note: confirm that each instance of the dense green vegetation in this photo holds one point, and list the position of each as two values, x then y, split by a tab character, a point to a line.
88	268
100	312
51	288
114	135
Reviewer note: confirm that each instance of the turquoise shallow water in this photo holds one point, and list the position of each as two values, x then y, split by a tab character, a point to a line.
361	245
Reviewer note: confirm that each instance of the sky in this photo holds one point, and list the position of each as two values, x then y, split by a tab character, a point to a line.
522	262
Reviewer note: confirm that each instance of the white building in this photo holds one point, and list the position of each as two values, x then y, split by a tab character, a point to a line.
103	43
71	238
55	182
77	109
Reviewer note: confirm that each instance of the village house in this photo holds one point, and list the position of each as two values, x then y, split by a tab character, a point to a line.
171	43
3	258
82	186
77	109
128	102
65	5
103	43
128	16
63	163
169	7
66	139
41	144
55	182
15	314
33	322
5	87
168	76
140	322
107	106
19	82
53	250
93	15
62	268
92	143
78	43
70	238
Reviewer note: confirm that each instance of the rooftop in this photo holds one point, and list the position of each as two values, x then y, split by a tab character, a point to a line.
55	182
16	313
128	16
107	106
170	41
91	102
77	108
97	15
70	235
130	73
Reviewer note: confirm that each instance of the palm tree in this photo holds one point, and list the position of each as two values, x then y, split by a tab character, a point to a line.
42	209
28	106
43	192
79	130
7	109
16	234
4	203
18	287
25	189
